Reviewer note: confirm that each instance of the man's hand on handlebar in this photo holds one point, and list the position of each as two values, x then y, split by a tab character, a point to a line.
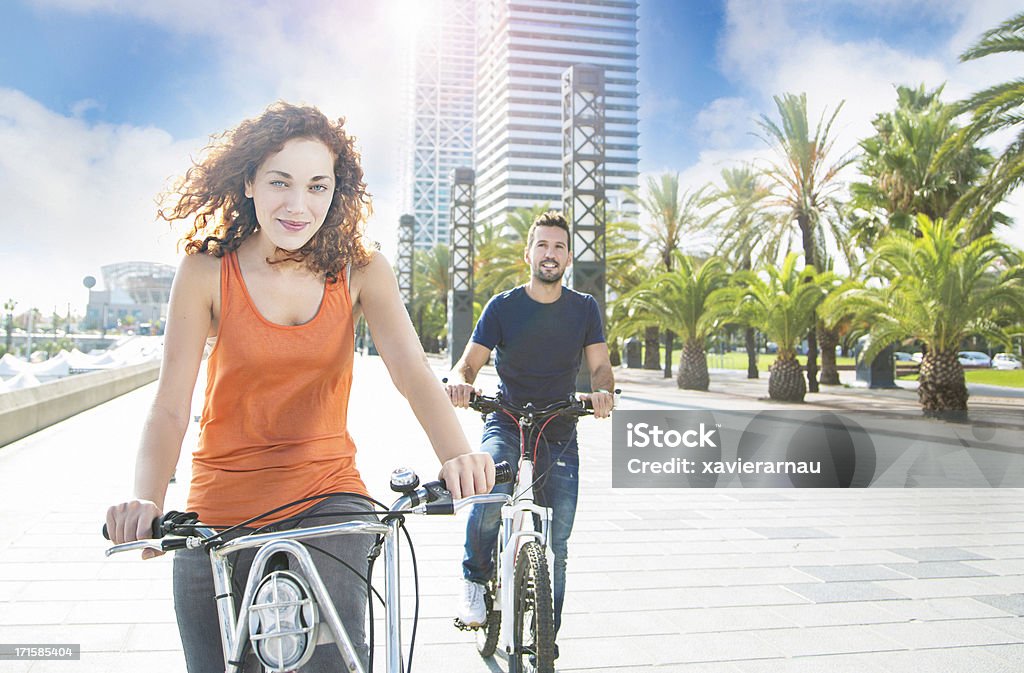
133	520
468	474
602	401
459	393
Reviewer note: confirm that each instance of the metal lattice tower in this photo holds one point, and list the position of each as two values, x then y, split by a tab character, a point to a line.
583	175
460	271
404	262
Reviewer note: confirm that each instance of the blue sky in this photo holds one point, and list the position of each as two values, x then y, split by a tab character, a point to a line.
102	101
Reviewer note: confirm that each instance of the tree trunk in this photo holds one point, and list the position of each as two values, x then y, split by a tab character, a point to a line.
614	355
942	390
693	366
670	337
810	259
786	380
752	372
829	339
652	354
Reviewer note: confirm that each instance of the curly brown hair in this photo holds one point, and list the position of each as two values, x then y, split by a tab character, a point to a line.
212	192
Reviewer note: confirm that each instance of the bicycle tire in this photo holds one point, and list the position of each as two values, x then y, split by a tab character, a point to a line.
487	635
534	618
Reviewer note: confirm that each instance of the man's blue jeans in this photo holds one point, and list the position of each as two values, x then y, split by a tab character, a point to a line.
556	485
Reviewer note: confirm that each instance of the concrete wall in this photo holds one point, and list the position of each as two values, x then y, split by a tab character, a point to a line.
23	412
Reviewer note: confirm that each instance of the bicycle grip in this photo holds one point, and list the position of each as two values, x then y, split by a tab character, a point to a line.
503	472
155	528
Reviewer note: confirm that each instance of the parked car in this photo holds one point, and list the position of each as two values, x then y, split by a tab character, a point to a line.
917	357
903	357
1006	361
974	359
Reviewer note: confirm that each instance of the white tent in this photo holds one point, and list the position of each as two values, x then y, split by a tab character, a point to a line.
22	380
11	365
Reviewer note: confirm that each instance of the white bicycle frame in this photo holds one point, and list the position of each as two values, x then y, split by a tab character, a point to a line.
517	528
234	622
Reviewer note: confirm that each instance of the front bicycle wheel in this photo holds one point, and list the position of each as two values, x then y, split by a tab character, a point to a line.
534	637
487	635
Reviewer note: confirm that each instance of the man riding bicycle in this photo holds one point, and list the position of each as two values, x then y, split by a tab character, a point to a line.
539	332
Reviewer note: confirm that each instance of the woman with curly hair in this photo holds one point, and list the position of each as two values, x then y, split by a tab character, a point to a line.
277	272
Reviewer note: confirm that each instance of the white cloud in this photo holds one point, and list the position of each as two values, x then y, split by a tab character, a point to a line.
726	122
77	196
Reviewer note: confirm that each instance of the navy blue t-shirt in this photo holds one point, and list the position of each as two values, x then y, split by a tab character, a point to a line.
539	347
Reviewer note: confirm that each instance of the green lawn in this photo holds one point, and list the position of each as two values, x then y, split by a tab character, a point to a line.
1012	378
738	360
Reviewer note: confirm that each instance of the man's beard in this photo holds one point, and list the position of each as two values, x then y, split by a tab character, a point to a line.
545	275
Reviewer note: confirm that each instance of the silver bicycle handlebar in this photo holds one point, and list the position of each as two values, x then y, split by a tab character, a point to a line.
402	505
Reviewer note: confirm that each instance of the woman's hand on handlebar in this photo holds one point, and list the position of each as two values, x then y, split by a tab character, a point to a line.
468	474
133	520
460	393
602	402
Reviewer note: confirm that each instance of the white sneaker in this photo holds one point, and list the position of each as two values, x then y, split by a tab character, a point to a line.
471	610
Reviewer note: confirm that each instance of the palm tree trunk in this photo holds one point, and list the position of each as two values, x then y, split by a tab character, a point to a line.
614	355
829	340
652	354
752	372
941	386
670	338
810	258
786	380
693	366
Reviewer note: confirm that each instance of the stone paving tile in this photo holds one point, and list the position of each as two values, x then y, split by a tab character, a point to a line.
842	592
938	569
938	634
1010	653
1012	604
38	614
91	637
1000	585
69	590
937	588
657	599
792	533
151	662
1001	567
49	571
999	552
161	637
851	573
948	660
834	614
724	620
828	640
704	577
939	554
115	612
842	663
1014	626
928	609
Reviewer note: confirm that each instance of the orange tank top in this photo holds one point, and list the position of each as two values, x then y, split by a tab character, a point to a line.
274	423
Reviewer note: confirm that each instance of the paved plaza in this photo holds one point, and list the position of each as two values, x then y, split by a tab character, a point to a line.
703	581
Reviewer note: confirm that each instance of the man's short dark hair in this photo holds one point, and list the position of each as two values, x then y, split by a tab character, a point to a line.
551	218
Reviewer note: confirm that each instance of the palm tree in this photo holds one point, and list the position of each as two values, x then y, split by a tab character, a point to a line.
430	300
938	288
804	183
743	232
781	302
679	300
673	213
625	272
994	109
906	175
498	258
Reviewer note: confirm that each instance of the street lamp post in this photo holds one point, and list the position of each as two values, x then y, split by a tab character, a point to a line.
9	309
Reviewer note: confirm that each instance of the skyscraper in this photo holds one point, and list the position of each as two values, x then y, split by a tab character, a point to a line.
525	47
443	89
